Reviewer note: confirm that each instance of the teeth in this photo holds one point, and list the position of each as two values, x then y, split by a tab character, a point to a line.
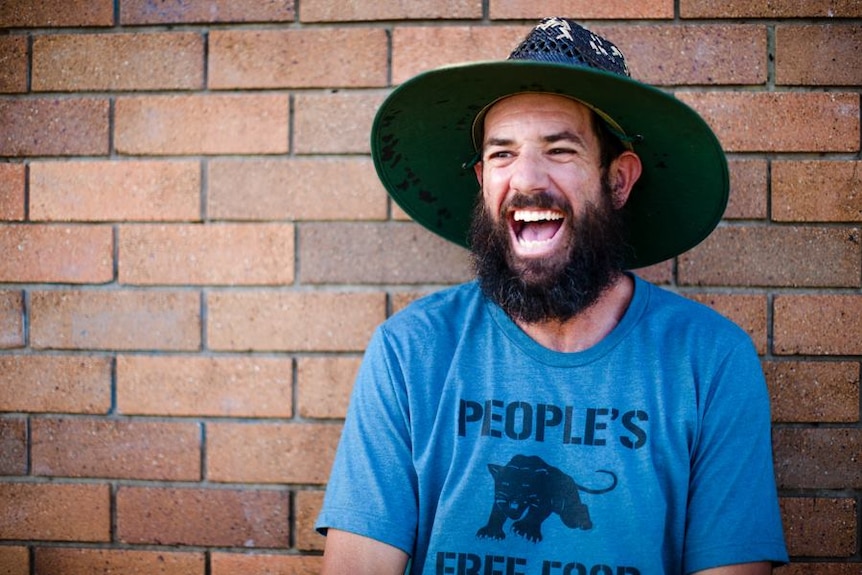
535	216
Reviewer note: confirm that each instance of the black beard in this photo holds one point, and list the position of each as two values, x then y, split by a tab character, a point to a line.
533	291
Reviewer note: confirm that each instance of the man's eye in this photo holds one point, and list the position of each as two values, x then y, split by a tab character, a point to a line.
559	151
499	154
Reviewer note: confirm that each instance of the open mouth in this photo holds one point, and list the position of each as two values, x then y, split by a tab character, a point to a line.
536	229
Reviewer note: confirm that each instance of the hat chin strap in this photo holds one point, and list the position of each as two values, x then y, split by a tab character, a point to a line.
479	121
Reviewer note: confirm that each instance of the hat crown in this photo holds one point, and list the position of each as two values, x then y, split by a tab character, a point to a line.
563	41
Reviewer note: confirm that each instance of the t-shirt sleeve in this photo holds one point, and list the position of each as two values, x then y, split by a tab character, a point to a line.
372	487
733	514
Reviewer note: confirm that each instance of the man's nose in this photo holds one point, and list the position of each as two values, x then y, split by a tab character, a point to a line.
529	174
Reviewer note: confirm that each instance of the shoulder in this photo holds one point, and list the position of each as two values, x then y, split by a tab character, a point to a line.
441	311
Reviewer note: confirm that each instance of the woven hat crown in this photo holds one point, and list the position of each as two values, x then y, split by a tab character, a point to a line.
565	42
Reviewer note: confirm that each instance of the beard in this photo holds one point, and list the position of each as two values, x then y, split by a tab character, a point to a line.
561	286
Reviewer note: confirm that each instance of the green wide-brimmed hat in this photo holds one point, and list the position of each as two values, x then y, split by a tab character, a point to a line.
423	146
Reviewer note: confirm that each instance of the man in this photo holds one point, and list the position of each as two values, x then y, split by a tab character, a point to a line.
559	416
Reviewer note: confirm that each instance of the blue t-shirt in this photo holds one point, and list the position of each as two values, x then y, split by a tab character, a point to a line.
478	451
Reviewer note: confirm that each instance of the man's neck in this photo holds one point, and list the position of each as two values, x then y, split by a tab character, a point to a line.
588	327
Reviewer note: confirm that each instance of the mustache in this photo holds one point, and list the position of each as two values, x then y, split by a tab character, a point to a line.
540	200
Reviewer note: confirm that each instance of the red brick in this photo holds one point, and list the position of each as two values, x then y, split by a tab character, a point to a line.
295	189
11	319
771	9
202	124
223	254
55	383
263	564
775	256
390	253
452	44
14	560
324	385
13	447
802	568
660	273
818	458
350	57
57	254
270	452
13	64
583	9
400	300
70	561
12	181
308	504
43	511
829	54
352	112
193	11
819	527
115	191
54	126
121	320
287	321
817	324
203	517
817	191
748	184
87	447
204	386
813	391
82	62
677	55
747	311
809	121
56	13
334	11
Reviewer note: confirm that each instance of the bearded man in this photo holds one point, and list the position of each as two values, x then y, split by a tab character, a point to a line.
559	415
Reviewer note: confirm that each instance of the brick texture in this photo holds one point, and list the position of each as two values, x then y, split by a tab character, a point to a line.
56	13
11	319
191	385
274	58
54	127
83	62
57	254
817	191
115	320
64	561
13	64
41	511
109	191
270	452
192	11
296	189
55	384
584	9
75	447
12	182
197	249
202	517
391	253
780	256
210	124
230	254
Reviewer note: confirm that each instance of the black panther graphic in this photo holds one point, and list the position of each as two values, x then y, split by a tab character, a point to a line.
527	490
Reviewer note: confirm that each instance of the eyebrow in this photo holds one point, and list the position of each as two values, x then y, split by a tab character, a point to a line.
564	136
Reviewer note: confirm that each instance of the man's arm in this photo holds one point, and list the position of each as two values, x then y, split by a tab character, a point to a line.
350	554
762	568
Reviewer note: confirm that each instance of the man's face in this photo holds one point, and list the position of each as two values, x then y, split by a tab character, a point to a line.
546	237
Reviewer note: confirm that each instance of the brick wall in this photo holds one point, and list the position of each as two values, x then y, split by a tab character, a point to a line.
195	250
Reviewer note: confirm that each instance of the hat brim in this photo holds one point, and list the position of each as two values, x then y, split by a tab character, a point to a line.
421	143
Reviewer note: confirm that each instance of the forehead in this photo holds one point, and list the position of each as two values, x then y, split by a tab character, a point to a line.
537	111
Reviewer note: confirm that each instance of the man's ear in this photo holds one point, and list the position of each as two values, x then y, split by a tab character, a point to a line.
477	169
623	172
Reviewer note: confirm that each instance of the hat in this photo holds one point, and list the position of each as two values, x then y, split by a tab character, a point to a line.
422	139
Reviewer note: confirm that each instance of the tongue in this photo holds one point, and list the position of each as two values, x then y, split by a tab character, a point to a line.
539	231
